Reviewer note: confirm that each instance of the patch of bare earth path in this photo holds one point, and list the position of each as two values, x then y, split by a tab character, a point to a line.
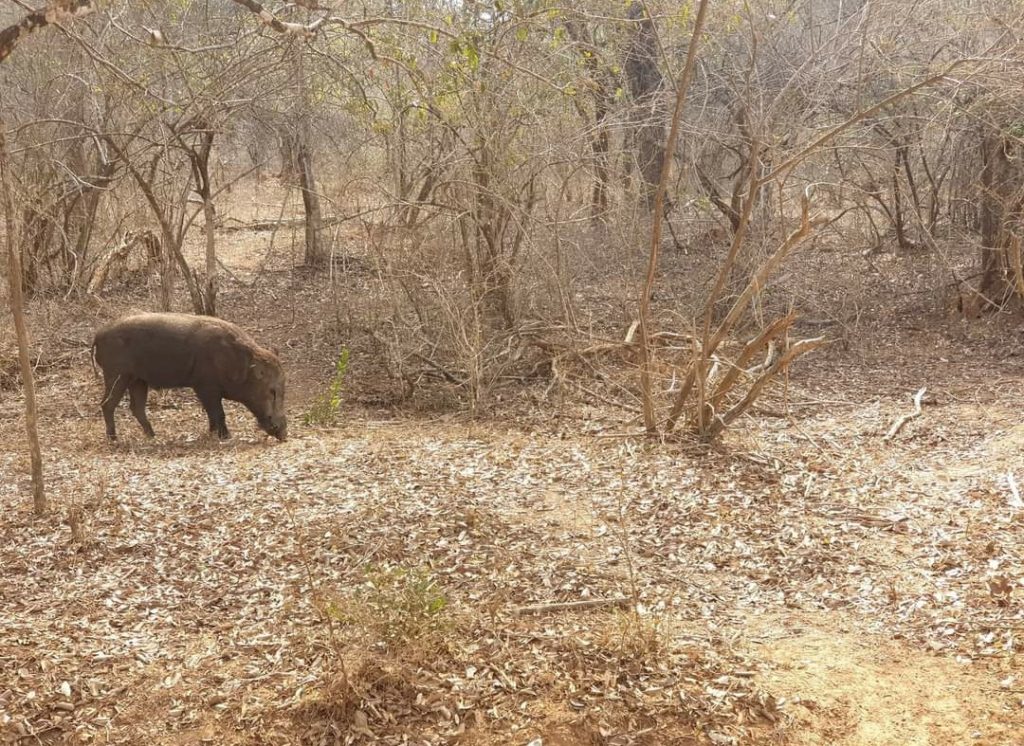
856	689
808	582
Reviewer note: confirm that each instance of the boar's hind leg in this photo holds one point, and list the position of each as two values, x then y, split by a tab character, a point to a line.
214	407
113	391
138	390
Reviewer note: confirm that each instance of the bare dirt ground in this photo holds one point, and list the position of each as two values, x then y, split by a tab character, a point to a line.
805	582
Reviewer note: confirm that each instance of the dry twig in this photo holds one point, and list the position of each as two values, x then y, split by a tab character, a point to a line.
904	419
572	605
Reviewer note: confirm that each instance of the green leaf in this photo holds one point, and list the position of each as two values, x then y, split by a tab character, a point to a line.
472	55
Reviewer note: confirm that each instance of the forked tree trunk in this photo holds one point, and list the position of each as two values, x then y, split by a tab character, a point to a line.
200	158
18	311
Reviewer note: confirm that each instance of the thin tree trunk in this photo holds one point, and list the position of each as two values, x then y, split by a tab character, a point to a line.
212	278
993	188
315	255
897	206
200	158
650	423
91	207
18	311
644	80
600	142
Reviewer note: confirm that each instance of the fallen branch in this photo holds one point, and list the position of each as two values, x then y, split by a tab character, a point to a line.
904	419
604	399
230	224
441	370
269	225
571	605
896	524
1015	500
258	225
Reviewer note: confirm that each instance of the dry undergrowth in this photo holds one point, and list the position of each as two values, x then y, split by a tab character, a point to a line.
364	584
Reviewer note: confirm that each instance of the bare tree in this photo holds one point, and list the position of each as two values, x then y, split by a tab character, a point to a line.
14	280
645	83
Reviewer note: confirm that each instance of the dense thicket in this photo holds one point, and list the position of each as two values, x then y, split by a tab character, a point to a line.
497	155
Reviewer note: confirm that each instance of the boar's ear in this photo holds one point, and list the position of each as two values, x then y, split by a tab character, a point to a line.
257	368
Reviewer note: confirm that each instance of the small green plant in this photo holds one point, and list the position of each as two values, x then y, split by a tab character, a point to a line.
399	604
325	409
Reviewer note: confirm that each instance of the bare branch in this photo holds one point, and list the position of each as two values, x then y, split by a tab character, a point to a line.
275	23
58	12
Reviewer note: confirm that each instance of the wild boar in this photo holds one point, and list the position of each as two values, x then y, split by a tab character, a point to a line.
214	358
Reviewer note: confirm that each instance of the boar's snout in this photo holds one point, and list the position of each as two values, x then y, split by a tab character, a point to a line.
276	427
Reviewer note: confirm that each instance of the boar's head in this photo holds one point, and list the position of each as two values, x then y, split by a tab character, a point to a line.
265	393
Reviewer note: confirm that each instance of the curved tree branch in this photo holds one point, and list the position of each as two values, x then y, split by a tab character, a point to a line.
57	12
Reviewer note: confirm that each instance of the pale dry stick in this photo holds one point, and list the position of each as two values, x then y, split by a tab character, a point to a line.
1015	499
650	422
268	19
573	605
811	439
904	419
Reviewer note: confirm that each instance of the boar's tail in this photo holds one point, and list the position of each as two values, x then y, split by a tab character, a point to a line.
92	359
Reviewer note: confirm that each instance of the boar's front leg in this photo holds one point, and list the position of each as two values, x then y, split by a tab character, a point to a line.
213	404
